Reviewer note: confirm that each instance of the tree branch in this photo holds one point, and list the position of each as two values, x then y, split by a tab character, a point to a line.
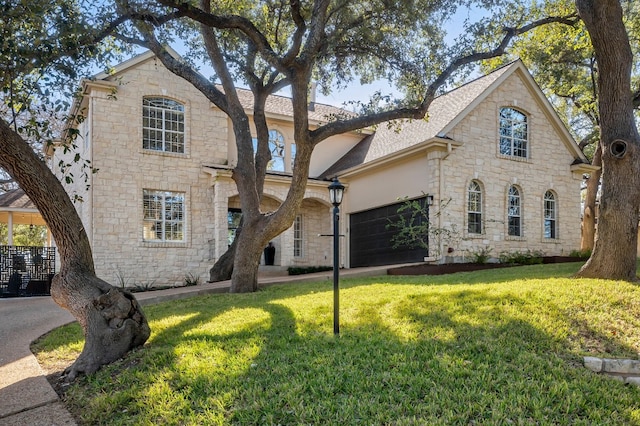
338	127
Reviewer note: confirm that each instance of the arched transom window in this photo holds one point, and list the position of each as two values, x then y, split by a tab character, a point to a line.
513	133
162	125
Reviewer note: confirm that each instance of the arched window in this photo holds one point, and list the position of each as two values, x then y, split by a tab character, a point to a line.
514	212
277	148
474	208
162	125
513	133
550	216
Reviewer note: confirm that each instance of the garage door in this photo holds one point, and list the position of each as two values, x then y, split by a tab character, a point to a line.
370	240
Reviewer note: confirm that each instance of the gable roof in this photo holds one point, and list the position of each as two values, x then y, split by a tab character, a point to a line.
16	200
277	106
444	113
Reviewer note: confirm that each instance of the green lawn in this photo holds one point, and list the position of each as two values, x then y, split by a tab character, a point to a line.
494	347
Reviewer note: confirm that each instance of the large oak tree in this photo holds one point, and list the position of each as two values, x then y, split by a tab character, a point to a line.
42	44
615	251
271	45
562	60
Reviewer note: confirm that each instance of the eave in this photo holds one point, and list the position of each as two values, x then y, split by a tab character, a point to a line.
437	144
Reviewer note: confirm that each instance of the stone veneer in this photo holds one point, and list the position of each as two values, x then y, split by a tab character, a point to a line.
624	370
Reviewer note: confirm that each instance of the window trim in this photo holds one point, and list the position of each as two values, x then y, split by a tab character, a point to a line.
179	109
511	137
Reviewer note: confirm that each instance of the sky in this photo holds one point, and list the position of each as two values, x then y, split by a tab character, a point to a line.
359	92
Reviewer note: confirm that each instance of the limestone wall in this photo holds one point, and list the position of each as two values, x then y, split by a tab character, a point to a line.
547	168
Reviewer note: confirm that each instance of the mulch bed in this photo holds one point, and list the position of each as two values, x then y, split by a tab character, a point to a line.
452	268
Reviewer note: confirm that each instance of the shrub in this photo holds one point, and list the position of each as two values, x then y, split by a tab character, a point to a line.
191	279
530	257
582	254
301	270
481	255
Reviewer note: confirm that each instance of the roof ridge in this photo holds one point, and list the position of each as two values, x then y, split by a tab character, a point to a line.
481	77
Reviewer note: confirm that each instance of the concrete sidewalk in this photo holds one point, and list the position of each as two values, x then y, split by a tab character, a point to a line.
26	398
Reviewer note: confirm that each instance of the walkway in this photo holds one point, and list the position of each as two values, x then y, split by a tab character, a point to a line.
26	398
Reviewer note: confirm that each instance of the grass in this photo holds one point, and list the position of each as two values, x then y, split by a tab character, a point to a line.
493	347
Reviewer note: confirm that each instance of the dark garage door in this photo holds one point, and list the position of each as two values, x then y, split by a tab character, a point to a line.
370	240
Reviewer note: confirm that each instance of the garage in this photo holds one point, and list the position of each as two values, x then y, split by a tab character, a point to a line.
370	241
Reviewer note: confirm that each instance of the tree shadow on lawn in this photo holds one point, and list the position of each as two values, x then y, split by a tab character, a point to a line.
419	359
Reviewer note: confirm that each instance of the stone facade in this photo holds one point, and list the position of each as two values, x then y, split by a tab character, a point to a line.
441	164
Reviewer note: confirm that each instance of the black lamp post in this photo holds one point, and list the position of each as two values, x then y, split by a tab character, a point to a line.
336	191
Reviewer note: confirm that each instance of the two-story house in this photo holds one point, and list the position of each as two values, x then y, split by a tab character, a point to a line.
494	163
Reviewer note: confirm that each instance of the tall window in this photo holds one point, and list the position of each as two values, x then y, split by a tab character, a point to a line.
550	216
297	236
233	223
514	212
162	125
277	148
163	215
474	208
513	133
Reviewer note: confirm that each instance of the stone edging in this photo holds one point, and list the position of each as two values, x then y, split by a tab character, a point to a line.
624	370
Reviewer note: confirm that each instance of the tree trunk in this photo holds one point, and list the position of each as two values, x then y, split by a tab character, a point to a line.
615	250
223	268
251	242
589	217
112	321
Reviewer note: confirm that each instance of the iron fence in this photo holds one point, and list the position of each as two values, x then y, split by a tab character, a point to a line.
26	271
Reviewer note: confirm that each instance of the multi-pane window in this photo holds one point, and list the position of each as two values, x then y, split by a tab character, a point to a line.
233	223
297	236
277	148
513	133
514	212
163	215
550	216
474	208
162	125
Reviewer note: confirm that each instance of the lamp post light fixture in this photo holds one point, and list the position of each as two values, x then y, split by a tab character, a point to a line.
336	191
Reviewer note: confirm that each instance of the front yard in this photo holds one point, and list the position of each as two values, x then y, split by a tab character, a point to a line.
502	346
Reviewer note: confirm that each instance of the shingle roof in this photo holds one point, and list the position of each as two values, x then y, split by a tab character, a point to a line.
390	139
16	199
282	105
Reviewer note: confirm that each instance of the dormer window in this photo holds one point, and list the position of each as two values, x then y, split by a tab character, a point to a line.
162	125
514	135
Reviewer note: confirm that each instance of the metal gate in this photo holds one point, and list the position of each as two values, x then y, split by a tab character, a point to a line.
26	271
